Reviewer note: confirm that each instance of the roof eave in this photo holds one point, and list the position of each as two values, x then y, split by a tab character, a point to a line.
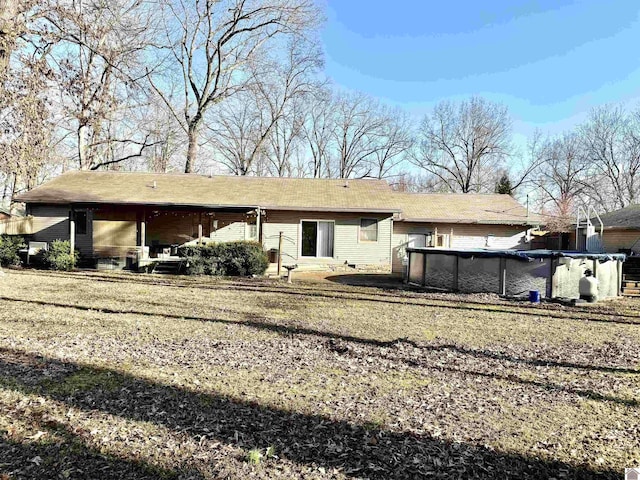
331	209
469	221
213	206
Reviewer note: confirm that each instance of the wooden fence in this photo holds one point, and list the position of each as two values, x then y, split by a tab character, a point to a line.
17	226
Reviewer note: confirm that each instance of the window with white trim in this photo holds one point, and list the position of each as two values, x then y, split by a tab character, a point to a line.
368	229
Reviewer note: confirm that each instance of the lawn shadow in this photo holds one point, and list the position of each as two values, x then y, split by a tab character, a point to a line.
307	440
69	456
379	296
339	343
374	280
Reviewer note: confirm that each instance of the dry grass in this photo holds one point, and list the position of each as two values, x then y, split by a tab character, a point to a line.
133	376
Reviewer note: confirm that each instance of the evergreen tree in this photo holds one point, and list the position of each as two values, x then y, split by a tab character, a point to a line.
503	186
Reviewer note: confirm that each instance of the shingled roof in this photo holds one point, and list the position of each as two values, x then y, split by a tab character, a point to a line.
303	194
463	208
216	191
628	218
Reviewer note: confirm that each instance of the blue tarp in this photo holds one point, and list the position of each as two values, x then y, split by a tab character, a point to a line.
523	255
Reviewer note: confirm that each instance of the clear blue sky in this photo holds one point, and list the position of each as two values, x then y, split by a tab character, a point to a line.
548	61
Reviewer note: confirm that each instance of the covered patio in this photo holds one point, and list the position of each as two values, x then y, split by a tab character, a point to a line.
135	236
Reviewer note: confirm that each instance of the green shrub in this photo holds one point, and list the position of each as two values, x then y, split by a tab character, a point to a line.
231	258
9	246
59	257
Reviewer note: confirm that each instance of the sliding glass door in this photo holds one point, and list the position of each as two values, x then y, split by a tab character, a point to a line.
317	238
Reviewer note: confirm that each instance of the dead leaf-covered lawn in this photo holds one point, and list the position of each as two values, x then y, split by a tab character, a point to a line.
122	376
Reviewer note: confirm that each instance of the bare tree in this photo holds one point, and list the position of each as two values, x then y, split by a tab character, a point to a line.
284	142
318	128
212	41
564	173
254	125
394	139
240	134
612	143
464	144
96	61
27	129
358	126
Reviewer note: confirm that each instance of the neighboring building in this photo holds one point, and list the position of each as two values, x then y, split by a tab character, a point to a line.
4	213
459	221
621	229
323	221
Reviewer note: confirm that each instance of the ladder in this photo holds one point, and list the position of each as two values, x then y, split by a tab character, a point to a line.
587	238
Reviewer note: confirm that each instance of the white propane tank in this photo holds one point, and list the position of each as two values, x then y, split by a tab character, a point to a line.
588	287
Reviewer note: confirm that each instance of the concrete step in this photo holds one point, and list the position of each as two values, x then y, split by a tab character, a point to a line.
631	291
166	267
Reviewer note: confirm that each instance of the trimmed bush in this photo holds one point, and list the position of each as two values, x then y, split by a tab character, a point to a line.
240	258
59	257
9	247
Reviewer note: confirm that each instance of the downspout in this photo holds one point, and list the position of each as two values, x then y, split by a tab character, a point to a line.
391	244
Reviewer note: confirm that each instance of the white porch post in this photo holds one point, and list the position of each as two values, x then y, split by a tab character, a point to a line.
72	231
200	228
143	232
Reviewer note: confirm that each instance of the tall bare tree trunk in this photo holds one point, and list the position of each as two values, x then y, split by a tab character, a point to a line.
192	151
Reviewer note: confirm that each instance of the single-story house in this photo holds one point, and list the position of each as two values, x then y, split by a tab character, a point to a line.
621	229
112	214
326	222
459	221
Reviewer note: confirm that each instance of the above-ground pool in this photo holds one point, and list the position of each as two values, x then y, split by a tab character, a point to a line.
514	272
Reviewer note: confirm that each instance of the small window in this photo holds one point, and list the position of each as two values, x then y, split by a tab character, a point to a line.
252	231
442	240
490	240
80	219
368	230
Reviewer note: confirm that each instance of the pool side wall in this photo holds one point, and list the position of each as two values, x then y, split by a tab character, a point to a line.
552	276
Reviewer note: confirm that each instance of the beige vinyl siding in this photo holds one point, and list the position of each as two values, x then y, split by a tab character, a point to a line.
400	237
114	233
231	227
505	237
177	227
171	227
461	236
346	246
616	239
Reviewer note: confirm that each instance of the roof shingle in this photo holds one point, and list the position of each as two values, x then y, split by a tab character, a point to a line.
628	217
362	195
216	191
463	208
